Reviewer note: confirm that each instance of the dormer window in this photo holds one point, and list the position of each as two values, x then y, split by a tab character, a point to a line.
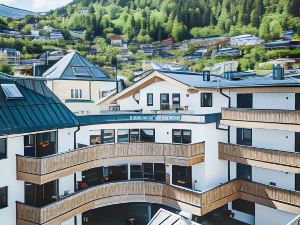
11	91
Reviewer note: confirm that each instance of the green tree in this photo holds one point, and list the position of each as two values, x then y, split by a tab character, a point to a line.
178	30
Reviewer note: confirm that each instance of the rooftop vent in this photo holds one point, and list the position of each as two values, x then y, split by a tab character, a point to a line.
278	72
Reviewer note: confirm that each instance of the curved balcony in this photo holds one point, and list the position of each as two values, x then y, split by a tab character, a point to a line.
197	203
288	120
260	157
43	170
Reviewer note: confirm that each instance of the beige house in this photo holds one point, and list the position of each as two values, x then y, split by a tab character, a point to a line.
79	83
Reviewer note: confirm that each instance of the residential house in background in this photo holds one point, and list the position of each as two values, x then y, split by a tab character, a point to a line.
78	83
10	55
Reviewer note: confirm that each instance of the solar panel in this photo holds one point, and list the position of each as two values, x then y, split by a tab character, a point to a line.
11	91
81	71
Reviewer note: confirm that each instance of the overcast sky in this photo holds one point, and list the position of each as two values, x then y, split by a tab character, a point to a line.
36	5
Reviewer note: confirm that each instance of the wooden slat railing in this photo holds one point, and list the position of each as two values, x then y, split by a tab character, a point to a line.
260	157
42	170
198	203
262	115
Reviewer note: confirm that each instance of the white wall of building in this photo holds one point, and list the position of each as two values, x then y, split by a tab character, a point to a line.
8	178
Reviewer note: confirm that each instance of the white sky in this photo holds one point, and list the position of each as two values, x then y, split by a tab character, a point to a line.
36	5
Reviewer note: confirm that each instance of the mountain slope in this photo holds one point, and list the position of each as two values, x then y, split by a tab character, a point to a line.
14	13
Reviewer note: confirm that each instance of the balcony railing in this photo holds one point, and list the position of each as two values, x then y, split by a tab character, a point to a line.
295	221
260	157
197	203
261	118
43	170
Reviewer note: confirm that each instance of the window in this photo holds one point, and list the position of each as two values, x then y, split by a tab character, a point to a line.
244	206
41	144
164	102
176	100
114	108
206	99
95	139
182	176
244	136
243	171
147	135
11	91
134	135
123	135
297	182
81	71
148	170
297	142
244	101
108	136
3	149
136	171
297	101
182	136
160	172
76	93
149	99
3	197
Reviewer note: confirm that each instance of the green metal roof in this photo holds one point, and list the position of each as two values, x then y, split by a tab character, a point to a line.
38	110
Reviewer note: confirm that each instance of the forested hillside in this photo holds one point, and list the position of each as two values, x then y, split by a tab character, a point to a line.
145	20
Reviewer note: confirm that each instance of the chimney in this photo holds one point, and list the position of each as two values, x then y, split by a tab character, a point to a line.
278	72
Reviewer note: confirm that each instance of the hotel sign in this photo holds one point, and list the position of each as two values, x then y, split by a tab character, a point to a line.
156	117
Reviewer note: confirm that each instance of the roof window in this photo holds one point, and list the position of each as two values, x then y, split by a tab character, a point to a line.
11	91
81	71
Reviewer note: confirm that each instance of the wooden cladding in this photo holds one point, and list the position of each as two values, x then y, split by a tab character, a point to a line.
197	203
260	157
262	118
42	170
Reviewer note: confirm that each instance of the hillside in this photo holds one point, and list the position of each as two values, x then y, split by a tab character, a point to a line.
147	20
14	13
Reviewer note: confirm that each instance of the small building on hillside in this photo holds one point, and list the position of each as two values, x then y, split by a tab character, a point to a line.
56	35
245	40
10	55
78	83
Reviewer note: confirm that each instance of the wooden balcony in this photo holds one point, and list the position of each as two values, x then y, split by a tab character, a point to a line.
197	203
259	157
288	120
43	170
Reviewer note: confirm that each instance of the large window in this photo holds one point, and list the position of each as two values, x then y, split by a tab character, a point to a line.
297	182
206	100
297	142
135	135
3	149
150	99
244	206
244	101
164	102
297	101
147	135
76	93
176	100
123	135
151	171
182	136
136	171
41	144
243	171
182	176
108	136
95	139
3	197
244	136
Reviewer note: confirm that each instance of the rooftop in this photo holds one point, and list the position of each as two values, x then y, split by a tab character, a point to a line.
75	67
31	107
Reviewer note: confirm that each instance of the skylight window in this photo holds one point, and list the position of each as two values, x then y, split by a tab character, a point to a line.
11	91
81	71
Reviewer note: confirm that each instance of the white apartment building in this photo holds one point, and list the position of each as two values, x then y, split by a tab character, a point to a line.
188	141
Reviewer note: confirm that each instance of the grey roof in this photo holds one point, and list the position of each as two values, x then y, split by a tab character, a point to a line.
65	69
196	80
38	110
